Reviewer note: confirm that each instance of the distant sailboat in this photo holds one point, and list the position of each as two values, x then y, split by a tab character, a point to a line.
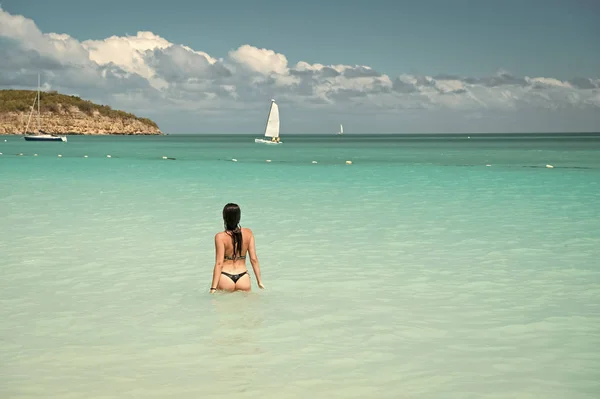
272	128
341	129
41	135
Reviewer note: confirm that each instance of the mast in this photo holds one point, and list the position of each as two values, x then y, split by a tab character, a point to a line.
38	101
30	113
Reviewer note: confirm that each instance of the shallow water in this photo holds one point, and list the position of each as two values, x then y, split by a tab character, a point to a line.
417	271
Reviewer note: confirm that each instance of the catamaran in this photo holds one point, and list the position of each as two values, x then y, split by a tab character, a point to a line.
40	135
272	128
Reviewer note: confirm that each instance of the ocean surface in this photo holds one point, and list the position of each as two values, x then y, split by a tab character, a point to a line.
431	267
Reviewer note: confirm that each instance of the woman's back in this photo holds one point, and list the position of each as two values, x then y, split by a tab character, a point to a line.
230	254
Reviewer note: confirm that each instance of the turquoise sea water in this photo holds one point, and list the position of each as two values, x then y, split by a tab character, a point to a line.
415	272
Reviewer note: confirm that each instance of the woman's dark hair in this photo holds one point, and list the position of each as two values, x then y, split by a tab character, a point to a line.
231	219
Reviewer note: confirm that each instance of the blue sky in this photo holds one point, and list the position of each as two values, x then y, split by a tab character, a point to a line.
453	42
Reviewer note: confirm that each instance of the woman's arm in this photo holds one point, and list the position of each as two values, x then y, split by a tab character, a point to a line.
219	255
254	260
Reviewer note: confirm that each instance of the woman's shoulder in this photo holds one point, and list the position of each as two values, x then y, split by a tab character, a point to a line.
246	230
219	235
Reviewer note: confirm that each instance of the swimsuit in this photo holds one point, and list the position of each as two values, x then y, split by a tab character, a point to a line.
234	277
232	258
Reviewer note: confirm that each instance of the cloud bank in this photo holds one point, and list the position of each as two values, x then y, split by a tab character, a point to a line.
149	75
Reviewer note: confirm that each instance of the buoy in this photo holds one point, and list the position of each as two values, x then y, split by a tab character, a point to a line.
348	162
85	156
234	160
549	166
0	153
60	156
268	160
20	154
314	161
35	155
108	156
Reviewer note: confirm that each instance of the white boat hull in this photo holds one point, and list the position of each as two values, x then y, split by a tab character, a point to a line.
44	137
263	141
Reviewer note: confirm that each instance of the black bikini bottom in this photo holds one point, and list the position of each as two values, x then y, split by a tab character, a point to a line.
234	277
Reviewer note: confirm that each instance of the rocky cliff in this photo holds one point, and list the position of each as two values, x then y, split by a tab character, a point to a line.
64	114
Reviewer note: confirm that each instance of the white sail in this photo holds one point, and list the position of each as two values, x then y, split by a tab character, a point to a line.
272	128
341	129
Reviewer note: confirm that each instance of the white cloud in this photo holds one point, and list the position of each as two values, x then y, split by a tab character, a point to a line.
51	45
146	70
260	60
126	52
548	82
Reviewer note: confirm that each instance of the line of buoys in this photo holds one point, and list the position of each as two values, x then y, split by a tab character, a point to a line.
348	162
267	160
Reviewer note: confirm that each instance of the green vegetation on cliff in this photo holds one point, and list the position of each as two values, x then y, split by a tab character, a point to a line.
21	101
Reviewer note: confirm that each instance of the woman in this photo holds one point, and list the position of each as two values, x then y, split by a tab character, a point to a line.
231	247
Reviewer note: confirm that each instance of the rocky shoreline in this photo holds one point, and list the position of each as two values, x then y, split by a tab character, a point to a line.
75	123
